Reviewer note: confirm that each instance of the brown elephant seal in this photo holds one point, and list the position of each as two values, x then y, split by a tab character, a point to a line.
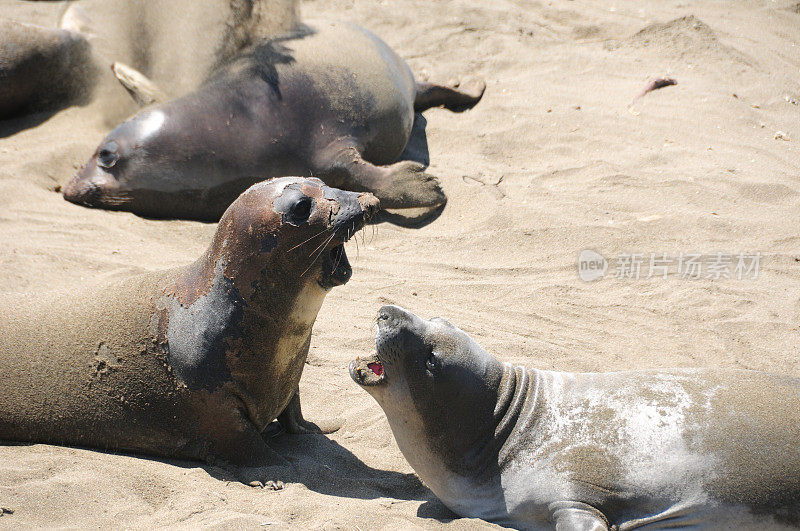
332	101
44	69
192	362
709	448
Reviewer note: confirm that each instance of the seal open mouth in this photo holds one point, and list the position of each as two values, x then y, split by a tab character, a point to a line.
354	214
336	269
367	371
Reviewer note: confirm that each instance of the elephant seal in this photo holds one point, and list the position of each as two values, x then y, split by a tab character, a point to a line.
622	450
331	100
43	68
192	362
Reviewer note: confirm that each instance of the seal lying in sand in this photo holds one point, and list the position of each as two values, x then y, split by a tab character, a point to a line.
662	448
332	101
44	68
192	362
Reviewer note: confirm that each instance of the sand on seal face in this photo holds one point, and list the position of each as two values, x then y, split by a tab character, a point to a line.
548	164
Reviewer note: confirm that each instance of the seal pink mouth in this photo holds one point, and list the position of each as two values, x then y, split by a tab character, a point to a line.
367	372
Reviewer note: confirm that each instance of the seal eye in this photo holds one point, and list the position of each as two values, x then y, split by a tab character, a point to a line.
301	210
108	155
433	364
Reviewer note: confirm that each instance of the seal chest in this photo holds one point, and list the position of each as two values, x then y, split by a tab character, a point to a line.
291	350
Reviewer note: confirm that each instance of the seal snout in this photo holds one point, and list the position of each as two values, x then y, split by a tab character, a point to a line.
369	205
82	191
354	210
367	371
93	187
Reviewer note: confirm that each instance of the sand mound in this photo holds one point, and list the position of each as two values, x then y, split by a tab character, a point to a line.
685	39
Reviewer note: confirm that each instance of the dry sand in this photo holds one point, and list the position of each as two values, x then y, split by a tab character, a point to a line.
548	164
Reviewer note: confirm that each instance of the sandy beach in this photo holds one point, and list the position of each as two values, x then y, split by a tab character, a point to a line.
551	162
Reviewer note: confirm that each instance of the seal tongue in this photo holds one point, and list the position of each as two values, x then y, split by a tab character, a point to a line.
377	368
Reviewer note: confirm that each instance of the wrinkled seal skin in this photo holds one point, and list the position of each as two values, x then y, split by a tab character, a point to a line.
42	68
716	449
192	362
332	101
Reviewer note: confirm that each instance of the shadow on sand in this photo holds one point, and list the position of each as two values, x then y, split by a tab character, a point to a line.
12	126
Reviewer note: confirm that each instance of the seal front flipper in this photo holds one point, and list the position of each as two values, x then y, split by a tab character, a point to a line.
140	87
455	97
408	186
76	20
272	477
243	454
403	184
293	422
577	516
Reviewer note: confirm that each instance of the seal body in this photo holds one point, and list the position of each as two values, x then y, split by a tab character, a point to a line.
331	100
42	68
192	362
624	450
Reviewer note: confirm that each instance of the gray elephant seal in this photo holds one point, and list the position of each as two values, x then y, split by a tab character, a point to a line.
192	362
660	448
43	69
331	100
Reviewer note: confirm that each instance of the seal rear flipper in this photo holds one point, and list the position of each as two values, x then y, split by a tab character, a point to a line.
455	97
291	418
577	516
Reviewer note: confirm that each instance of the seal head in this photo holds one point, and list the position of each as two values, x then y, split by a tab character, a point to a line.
303	229
138	157
439	389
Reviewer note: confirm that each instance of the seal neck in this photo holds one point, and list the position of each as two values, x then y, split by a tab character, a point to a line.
517	392
515	389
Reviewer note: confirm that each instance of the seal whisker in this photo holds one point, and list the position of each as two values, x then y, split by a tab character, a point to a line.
323	231
338	260
322	248
117	199
324	243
